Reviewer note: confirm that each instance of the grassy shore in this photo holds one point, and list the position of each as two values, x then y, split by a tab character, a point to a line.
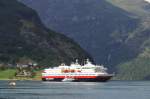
9	74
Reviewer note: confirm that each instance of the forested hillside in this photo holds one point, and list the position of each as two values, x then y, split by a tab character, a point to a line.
139	67
23	38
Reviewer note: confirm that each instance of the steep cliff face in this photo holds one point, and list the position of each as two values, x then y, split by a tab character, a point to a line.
23	36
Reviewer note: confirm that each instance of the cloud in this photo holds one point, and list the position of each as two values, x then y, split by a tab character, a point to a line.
147	1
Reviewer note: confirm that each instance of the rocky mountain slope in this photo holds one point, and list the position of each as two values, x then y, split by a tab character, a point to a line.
23	37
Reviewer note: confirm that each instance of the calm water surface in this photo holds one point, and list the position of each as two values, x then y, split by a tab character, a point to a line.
76	90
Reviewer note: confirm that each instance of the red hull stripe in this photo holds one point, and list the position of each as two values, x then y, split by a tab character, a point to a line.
69	76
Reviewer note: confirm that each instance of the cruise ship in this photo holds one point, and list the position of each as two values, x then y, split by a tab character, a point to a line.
77	73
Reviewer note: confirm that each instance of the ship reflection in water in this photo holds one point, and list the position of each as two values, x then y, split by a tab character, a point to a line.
77	73
76	90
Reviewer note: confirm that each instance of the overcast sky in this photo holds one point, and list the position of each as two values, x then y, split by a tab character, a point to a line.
148	1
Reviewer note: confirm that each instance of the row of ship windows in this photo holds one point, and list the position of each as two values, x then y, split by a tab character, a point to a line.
71	74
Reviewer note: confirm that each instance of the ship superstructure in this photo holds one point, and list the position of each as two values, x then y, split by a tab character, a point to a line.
77	72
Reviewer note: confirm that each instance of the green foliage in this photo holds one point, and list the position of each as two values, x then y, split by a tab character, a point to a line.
37	75
7	74
137	69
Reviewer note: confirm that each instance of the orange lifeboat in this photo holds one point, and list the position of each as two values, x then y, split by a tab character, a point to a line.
65	71
78	70
72	70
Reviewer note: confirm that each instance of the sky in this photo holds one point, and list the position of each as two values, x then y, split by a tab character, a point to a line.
148	1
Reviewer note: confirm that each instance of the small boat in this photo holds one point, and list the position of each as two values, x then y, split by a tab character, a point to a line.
12	83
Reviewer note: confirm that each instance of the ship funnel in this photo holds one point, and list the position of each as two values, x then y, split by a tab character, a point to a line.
76	61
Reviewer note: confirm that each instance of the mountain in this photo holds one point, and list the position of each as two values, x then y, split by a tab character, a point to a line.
138	7
23	38
115	32
137	68
98	26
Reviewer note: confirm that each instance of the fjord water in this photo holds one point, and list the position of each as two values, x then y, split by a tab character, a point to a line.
75	90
